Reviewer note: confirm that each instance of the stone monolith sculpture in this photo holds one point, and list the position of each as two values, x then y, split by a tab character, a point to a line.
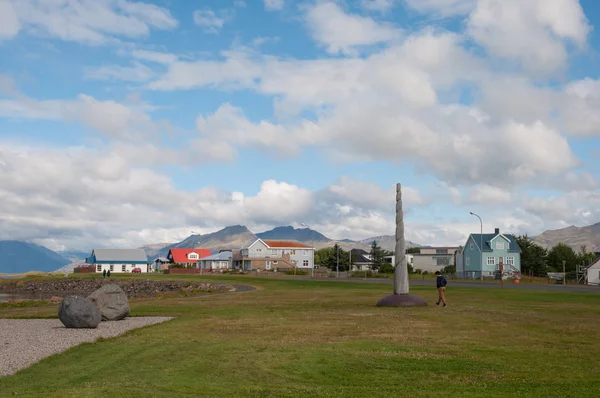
401	297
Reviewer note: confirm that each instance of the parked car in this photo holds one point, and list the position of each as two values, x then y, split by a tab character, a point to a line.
136	270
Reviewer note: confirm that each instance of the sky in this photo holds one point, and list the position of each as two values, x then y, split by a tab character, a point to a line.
125	123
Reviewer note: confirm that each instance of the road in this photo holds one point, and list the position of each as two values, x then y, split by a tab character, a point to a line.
476	284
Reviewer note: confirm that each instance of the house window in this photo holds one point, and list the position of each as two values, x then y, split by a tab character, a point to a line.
274	252
510	261
468	262
305	252
98	268
293	252
268	265
123	268
471	245
441	251
259	250
305	263
442	261
112	267
193	256
500	245
491	261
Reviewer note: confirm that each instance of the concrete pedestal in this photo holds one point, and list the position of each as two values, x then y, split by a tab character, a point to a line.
401	300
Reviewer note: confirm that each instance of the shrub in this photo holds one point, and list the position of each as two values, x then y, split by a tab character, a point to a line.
298	272
386	269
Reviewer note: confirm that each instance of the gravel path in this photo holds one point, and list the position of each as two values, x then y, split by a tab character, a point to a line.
24	342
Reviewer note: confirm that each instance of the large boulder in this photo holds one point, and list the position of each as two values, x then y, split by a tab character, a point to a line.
112	302
79	312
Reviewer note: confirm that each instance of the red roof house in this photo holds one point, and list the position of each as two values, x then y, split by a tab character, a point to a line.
188	256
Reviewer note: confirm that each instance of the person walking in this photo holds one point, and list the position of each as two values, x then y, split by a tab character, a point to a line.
104	274
441	283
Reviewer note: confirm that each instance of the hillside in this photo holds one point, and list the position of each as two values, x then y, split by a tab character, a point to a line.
387	242
291	233
18	257
233	237
572	236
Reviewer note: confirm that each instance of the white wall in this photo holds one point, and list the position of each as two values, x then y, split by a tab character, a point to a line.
118	268
593	274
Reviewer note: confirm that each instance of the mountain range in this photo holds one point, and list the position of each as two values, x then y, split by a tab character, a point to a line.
572	236
19	257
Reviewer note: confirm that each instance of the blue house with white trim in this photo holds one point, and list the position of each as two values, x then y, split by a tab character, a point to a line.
497	249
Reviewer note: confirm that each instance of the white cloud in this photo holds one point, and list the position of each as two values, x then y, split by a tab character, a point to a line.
154	56
378	5
274	5
110	118
532	33
91	22
9	22
442	8
341	33
208	20
136	73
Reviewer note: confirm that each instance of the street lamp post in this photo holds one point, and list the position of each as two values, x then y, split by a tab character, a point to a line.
480	243
312	243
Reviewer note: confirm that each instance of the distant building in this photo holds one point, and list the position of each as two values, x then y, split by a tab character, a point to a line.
433	259
118	260
217	262
187	256
497	249
274	254
593	272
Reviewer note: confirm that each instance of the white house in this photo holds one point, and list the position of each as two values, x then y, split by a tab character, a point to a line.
217	262
593	273
273	254
119	260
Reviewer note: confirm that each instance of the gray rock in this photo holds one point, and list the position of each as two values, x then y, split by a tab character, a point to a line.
112	302
79	312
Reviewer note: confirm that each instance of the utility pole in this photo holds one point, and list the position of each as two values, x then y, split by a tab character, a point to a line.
480	243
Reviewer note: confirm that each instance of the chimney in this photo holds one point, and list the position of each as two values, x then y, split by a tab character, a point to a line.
497	231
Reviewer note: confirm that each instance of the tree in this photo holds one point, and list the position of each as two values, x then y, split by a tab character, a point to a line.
377	256
559	253
413	250
584	257
534	258
328	257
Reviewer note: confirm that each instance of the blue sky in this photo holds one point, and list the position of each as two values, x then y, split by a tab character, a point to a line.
124	123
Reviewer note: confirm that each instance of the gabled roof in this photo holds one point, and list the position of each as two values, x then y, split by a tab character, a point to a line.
120	255
223	256
487	238
285	244
180	254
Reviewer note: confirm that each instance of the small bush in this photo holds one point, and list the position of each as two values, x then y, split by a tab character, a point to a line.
298	272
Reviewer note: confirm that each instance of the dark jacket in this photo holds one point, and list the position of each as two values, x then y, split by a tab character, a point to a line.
441	281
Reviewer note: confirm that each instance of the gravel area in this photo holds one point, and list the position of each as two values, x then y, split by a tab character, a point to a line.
24	342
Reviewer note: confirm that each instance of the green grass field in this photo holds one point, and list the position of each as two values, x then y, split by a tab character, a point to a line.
294	338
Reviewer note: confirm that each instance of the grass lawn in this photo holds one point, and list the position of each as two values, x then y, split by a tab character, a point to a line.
293	338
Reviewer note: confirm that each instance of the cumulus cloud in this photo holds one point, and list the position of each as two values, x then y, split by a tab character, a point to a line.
208	20
274	5
341	32
90	22
532	33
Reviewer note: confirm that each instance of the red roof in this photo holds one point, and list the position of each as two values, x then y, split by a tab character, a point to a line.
180	255
285	244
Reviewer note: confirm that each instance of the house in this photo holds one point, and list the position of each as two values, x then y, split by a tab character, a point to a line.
433	259
187	256
593	273
274	254
498	249
361	260
217	262
119	260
